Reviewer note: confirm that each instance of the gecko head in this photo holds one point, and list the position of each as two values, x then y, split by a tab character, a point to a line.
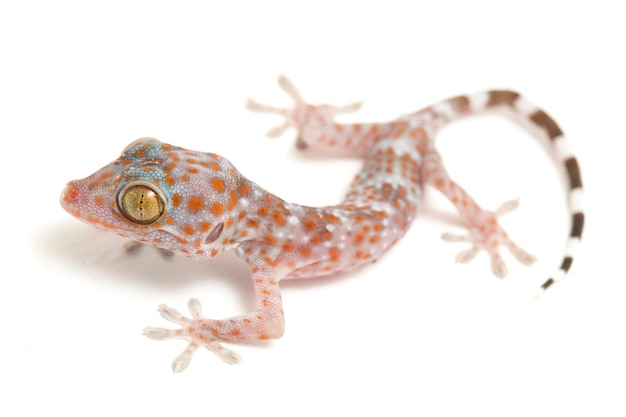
163	195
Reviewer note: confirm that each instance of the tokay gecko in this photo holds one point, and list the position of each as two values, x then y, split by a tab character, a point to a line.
199	205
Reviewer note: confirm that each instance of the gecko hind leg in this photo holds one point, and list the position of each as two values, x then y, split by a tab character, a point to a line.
484	231
479	238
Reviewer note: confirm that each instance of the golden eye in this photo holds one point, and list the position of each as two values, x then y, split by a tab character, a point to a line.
141	202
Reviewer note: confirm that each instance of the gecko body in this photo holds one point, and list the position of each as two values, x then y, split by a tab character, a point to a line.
199	205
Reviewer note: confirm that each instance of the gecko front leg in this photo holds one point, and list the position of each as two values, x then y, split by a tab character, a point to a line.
315	124
266	322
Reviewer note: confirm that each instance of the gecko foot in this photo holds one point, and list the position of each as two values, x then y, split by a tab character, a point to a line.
301	112
132	247
198	331
486	234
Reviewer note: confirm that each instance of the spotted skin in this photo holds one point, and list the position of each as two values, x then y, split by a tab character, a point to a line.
198	205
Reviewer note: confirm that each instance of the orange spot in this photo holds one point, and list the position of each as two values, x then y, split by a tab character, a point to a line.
334	254
252	223
188	230
148	169
140	153
269	261
305	251
262	211
278	218
166	147
264	336
291	265
204	227
193	170
233	200
214	166
169	221
105	175
170	181
217	208
308	225
332	218
373	239
229	223
315	240
195	203
126	162
244	190
176	199
218	184
94	184
185	178
288	247
358	239
99	200
191	160
270	239
214	253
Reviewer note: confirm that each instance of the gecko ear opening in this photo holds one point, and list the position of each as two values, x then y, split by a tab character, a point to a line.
215	233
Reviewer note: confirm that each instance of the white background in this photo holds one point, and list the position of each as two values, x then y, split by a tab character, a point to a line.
414	334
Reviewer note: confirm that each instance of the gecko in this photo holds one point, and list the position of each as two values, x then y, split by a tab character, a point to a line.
199	205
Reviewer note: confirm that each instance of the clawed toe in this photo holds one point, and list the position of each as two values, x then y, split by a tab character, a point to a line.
498	267
467	255
197	330
486	234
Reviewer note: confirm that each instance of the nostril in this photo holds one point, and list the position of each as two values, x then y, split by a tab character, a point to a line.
69	194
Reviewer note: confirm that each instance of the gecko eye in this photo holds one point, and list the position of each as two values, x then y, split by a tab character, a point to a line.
141	202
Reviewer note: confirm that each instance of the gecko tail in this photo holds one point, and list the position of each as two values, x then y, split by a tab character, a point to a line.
560	149
558	145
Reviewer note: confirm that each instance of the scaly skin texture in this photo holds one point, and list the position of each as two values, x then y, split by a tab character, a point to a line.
198	205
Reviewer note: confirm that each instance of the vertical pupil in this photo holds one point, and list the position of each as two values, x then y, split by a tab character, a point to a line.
140	203
141	209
